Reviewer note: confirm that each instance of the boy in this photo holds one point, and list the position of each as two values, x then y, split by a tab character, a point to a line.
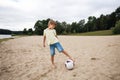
52	40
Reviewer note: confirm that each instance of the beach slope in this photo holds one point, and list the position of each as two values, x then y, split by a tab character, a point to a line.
96	58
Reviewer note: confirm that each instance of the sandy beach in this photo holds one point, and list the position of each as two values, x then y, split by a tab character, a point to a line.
96	58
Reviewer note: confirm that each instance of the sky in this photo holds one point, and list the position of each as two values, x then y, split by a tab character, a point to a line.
19	14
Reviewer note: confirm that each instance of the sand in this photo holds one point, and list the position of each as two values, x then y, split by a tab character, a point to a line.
96	58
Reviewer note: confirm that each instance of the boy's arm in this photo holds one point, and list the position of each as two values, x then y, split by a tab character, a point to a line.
44	39
56	34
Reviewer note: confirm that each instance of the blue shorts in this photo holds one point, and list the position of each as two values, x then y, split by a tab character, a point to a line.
55	45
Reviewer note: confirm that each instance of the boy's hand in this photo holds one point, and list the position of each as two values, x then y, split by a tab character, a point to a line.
44	38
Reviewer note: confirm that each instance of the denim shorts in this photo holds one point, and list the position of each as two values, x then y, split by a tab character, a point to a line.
58	46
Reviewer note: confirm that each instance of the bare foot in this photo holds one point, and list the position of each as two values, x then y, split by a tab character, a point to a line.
72	59
54	66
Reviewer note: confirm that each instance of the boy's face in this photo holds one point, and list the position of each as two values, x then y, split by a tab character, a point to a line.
52	26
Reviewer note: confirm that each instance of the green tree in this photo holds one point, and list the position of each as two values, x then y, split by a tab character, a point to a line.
59	28
117	14
64	27
5	31
112	19
74	28
81	25
25	31
40	25
30	31
91	24
68	30
116	29
103	22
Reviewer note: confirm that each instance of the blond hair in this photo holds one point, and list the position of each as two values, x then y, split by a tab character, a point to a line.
52	22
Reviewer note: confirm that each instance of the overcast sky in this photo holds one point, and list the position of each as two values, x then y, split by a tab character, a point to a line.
20	14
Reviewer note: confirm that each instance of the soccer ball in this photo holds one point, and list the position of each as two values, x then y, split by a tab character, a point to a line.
69	64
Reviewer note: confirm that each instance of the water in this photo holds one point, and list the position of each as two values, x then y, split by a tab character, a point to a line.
5	36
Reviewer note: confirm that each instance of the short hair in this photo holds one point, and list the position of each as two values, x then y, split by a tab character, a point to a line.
52	22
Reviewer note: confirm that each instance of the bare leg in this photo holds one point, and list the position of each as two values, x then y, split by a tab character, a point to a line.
64	52
52	60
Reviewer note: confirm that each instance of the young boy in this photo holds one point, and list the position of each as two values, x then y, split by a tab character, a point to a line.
52	40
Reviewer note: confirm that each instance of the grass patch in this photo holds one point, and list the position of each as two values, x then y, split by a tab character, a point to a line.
1	40
95	33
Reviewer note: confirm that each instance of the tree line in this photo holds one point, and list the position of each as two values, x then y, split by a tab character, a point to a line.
104	22
5	31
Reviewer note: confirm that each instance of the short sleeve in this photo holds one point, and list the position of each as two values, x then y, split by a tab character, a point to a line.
55	32
44	33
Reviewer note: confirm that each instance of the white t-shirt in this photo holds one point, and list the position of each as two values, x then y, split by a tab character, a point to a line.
50	36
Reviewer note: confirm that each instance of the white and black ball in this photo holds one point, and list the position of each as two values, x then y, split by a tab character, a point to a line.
69	64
